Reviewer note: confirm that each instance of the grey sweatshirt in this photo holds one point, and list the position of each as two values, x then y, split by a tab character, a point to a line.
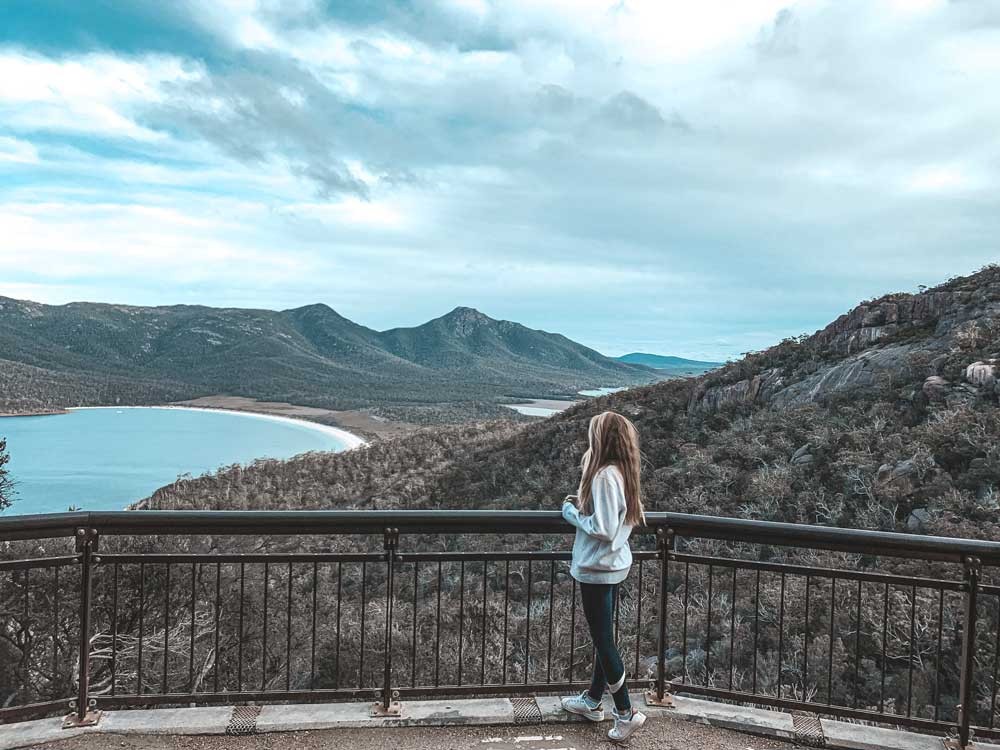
600	551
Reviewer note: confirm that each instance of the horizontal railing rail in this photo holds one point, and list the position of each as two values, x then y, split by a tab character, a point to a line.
334	522
385	609
330	522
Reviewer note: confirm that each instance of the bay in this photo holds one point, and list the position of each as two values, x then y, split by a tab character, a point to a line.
106	458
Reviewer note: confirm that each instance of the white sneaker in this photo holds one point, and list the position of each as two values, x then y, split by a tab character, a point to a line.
626	727
583	705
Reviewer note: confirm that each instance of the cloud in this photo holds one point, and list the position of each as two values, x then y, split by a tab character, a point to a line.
95	93
17	151
780	39
626	110
261	118
60	240
698	179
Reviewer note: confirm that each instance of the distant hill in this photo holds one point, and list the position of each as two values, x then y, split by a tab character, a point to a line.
671	365
89	353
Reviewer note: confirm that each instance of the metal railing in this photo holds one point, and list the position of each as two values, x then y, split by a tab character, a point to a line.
388	605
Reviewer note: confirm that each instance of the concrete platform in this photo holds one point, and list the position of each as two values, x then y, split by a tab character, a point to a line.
500	712
213	720
28	733
417	713
842	734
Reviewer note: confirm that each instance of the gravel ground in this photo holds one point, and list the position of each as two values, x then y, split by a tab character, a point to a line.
658	734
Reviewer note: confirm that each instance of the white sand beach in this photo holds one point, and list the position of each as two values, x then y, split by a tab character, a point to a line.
349	439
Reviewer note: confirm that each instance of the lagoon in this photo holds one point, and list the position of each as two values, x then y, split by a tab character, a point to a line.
545	407
106	458
596	392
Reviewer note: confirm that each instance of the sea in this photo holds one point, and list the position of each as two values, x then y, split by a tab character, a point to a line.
106	458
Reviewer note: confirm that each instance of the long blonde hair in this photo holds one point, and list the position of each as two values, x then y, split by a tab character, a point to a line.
613	440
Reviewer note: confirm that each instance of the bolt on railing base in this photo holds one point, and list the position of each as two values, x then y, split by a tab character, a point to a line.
379	711
90	719
667	701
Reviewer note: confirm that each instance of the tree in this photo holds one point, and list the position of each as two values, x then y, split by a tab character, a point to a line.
6	484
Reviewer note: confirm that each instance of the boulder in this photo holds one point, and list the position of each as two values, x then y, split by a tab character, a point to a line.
901	476
936	388
803	455
917	521
982	374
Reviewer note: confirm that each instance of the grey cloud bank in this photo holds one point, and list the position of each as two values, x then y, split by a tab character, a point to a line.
696	181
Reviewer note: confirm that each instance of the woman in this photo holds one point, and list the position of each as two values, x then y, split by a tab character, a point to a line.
606	507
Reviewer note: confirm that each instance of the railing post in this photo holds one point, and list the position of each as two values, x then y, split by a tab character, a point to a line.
389	706
84	712
972	567
659	695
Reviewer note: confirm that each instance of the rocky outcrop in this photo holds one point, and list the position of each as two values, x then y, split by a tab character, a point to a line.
872	322
862	370
758	389
876	340
940	311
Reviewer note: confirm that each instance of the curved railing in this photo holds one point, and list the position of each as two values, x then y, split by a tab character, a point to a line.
149	608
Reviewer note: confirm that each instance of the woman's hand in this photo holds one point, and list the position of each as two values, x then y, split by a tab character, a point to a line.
569	511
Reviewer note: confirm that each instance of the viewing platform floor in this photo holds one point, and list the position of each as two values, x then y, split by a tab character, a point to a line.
482	724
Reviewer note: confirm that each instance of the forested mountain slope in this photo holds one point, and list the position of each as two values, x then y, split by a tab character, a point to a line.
84	353
887	418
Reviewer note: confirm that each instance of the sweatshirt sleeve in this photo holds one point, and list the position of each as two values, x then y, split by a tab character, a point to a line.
608	500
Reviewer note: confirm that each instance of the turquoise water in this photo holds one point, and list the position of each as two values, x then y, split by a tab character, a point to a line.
534	411
601	392
532	408
104	459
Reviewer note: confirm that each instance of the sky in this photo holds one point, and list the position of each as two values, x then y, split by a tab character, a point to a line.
699	179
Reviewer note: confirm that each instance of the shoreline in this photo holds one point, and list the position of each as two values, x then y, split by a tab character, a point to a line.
50	413
350	440
542	408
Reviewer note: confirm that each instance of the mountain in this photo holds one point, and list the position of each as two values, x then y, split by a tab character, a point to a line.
88	353
887	418
466	339
677	366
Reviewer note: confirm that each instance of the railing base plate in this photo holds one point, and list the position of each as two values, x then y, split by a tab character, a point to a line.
394	711
72	721
667	701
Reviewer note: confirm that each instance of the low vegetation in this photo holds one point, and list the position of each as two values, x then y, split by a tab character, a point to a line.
6	484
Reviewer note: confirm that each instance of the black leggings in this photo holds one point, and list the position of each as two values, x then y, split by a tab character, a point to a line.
598	607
